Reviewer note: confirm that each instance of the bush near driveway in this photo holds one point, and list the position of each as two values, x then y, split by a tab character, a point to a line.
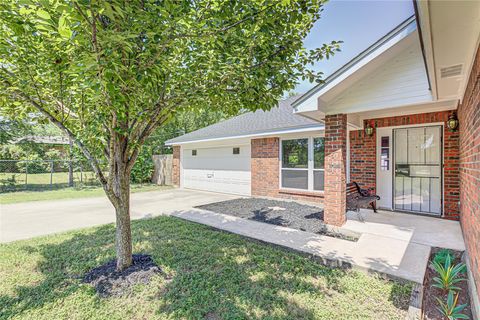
207	274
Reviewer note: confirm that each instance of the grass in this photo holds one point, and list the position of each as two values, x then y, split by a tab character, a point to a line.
33	180
68	193
208	275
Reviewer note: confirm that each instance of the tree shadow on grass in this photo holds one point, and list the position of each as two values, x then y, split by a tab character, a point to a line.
211	274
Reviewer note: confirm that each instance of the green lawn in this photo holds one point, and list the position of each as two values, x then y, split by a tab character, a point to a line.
68	193
208	275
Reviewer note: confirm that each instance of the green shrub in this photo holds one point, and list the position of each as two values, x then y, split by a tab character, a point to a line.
450	309
441	256
53	154
11	152
143	169
448	275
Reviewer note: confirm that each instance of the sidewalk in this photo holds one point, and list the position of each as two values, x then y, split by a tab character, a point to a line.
398	251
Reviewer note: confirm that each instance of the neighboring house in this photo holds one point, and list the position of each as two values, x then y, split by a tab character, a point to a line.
381	120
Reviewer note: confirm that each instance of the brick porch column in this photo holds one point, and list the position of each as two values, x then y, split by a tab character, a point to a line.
176	166
335	169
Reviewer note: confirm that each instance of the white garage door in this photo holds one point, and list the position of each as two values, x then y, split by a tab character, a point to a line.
218	169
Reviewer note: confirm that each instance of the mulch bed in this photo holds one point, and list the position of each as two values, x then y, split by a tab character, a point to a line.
281	213
430	293
107	281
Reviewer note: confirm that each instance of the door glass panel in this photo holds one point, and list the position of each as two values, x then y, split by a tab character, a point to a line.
385	154
400	146
407	193
418	170
416	194
415	150
399	193
432	145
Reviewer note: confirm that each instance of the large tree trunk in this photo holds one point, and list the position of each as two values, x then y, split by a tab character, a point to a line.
121	202
123	236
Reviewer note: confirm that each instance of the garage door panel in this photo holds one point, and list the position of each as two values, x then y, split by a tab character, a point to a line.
218	169
218	159
237	182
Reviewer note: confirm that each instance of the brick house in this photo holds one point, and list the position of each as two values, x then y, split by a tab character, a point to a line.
383	120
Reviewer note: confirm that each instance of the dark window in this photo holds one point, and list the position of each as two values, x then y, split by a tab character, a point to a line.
319	153
297	179
295	163
318	164
236	150
295	153
318	179
194	152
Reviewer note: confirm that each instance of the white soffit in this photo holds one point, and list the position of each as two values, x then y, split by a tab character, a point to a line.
382	50
450	33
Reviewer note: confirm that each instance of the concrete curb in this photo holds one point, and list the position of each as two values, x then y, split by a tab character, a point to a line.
415	304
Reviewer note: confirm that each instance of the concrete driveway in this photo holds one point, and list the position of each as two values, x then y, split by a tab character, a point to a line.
31	219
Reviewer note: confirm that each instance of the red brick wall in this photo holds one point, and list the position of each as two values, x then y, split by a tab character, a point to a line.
469	117
362	159
335	169
266	173
264	166
363	155
176	166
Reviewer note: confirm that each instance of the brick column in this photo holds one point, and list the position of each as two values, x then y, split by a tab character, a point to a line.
264	166
176	166
335	169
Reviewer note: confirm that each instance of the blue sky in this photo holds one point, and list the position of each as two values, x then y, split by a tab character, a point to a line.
358	24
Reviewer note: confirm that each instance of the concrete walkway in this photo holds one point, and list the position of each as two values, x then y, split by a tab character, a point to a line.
30	219
390	243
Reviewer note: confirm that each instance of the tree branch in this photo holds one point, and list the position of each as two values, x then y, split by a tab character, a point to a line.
61	126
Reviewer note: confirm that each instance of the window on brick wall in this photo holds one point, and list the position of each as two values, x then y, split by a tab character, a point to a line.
302	165
318	163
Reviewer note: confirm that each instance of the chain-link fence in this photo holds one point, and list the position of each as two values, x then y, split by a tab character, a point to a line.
19	175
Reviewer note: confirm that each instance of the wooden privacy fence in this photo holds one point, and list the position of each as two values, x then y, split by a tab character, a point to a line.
162	172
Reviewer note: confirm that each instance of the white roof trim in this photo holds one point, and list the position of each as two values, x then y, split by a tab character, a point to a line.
252	135
308	102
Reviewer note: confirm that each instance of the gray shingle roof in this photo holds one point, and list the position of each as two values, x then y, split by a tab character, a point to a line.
252	123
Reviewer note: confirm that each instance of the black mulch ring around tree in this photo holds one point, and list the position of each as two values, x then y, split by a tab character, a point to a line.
281	213
107	281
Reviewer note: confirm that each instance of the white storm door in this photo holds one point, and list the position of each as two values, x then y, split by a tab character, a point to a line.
384	167
418	169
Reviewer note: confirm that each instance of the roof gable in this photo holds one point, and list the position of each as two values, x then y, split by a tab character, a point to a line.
357	68
401	80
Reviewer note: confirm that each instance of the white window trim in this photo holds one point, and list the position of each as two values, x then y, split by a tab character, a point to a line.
310	165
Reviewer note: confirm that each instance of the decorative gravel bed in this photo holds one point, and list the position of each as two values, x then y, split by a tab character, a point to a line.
281	213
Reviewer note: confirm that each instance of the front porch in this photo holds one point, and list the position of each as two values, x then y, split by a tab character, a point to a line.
390	243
